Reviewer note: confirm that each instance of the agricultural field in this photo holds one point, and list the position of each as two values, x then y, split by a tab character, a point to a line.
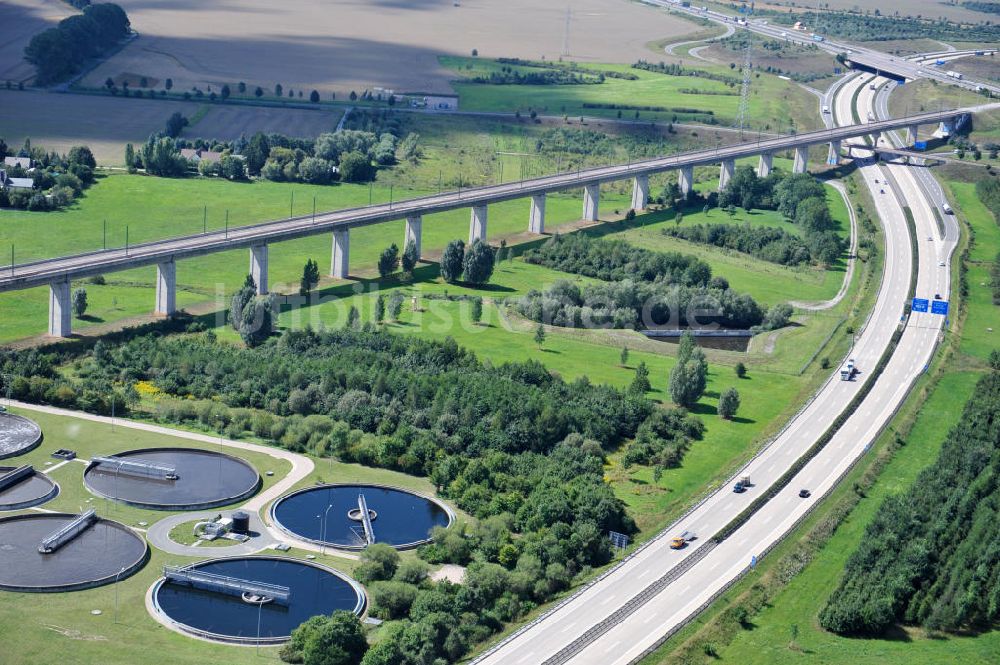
980	67
394	47
776	105
106	123
20	20
926	8
806	64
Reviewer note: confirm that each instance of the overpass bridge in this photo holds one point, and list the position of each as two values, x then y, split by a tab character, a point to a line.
57	273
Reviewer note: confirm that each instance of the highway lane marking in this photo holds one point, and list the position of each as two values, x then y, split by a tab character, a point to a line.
613	646
568	628
524	658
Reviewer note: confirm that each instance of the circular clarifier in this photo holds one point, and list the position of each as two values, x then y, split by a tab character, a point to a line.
32	489
330	515
201	479
100	554
236	615
18	435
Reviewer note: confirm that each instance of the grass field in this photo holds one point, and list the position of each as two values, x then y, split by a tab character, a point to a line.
768	636
175	207
775	105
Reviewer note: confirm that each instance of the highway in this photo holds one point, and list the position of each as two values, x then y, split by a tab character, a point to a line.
105	261
867	57
616	619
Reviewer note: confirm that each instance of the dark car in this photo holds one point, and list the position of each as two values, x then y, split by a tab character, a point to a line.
739	488
805	494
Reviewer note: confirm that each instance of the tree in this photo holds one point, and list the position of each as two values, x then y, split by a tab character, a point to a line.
355	167
258	91
729	403
82	155
352	317
258	320
240	300
540	335
689	375
640	384
380	308
232	168
624	357
79	302
478	263
741	370
353	96
241	86
477	310
257	152
388	261
225	92
378	562
277	90
777	316
168	84
410	256
452	260
130	158
334	640
310	277
395	305
314	97
176	124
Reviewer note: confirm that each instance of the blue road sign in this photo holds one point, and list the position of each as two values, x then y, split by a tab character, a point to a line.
919	304
939	307
753	561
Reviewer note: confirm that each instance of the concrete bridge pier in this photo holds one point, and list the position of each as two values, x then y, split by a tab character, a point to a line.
414	227
477	225
726	171
685	179
834	155
60	314
536	216
945	128
166	288
591	201
765	164
801	159
911	134
258	268
341	253
640	192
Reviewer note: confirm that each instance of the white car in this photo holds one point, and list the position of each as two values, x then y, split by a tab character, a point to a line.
940	264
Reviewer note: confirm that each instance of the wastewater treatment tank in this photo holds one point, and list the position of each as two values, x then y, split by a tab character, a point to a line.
18	435
23	487
49	552
252	599
172	478
332	515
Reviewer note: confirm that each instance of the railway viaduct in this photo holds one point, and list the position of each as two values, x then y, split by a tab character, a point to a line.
57	273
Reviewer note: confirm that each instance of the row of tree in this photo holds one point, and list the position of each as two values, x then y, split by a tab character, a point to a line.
582	254
930	555
60	52
763	242
639	306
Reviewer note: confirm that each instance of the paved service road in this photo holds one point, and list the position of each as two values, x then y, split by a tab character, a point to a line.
702	570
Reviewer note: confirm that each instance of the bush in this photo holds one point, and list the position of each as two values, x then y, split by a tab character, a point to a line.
388	260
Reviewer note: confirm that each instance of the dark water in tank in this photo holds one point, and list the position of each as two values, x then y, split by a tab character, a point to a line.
314	592
403	518
722	343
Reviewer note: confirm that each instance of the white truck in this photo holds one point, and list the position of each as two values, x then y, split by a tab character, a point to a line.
848	371
955	75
